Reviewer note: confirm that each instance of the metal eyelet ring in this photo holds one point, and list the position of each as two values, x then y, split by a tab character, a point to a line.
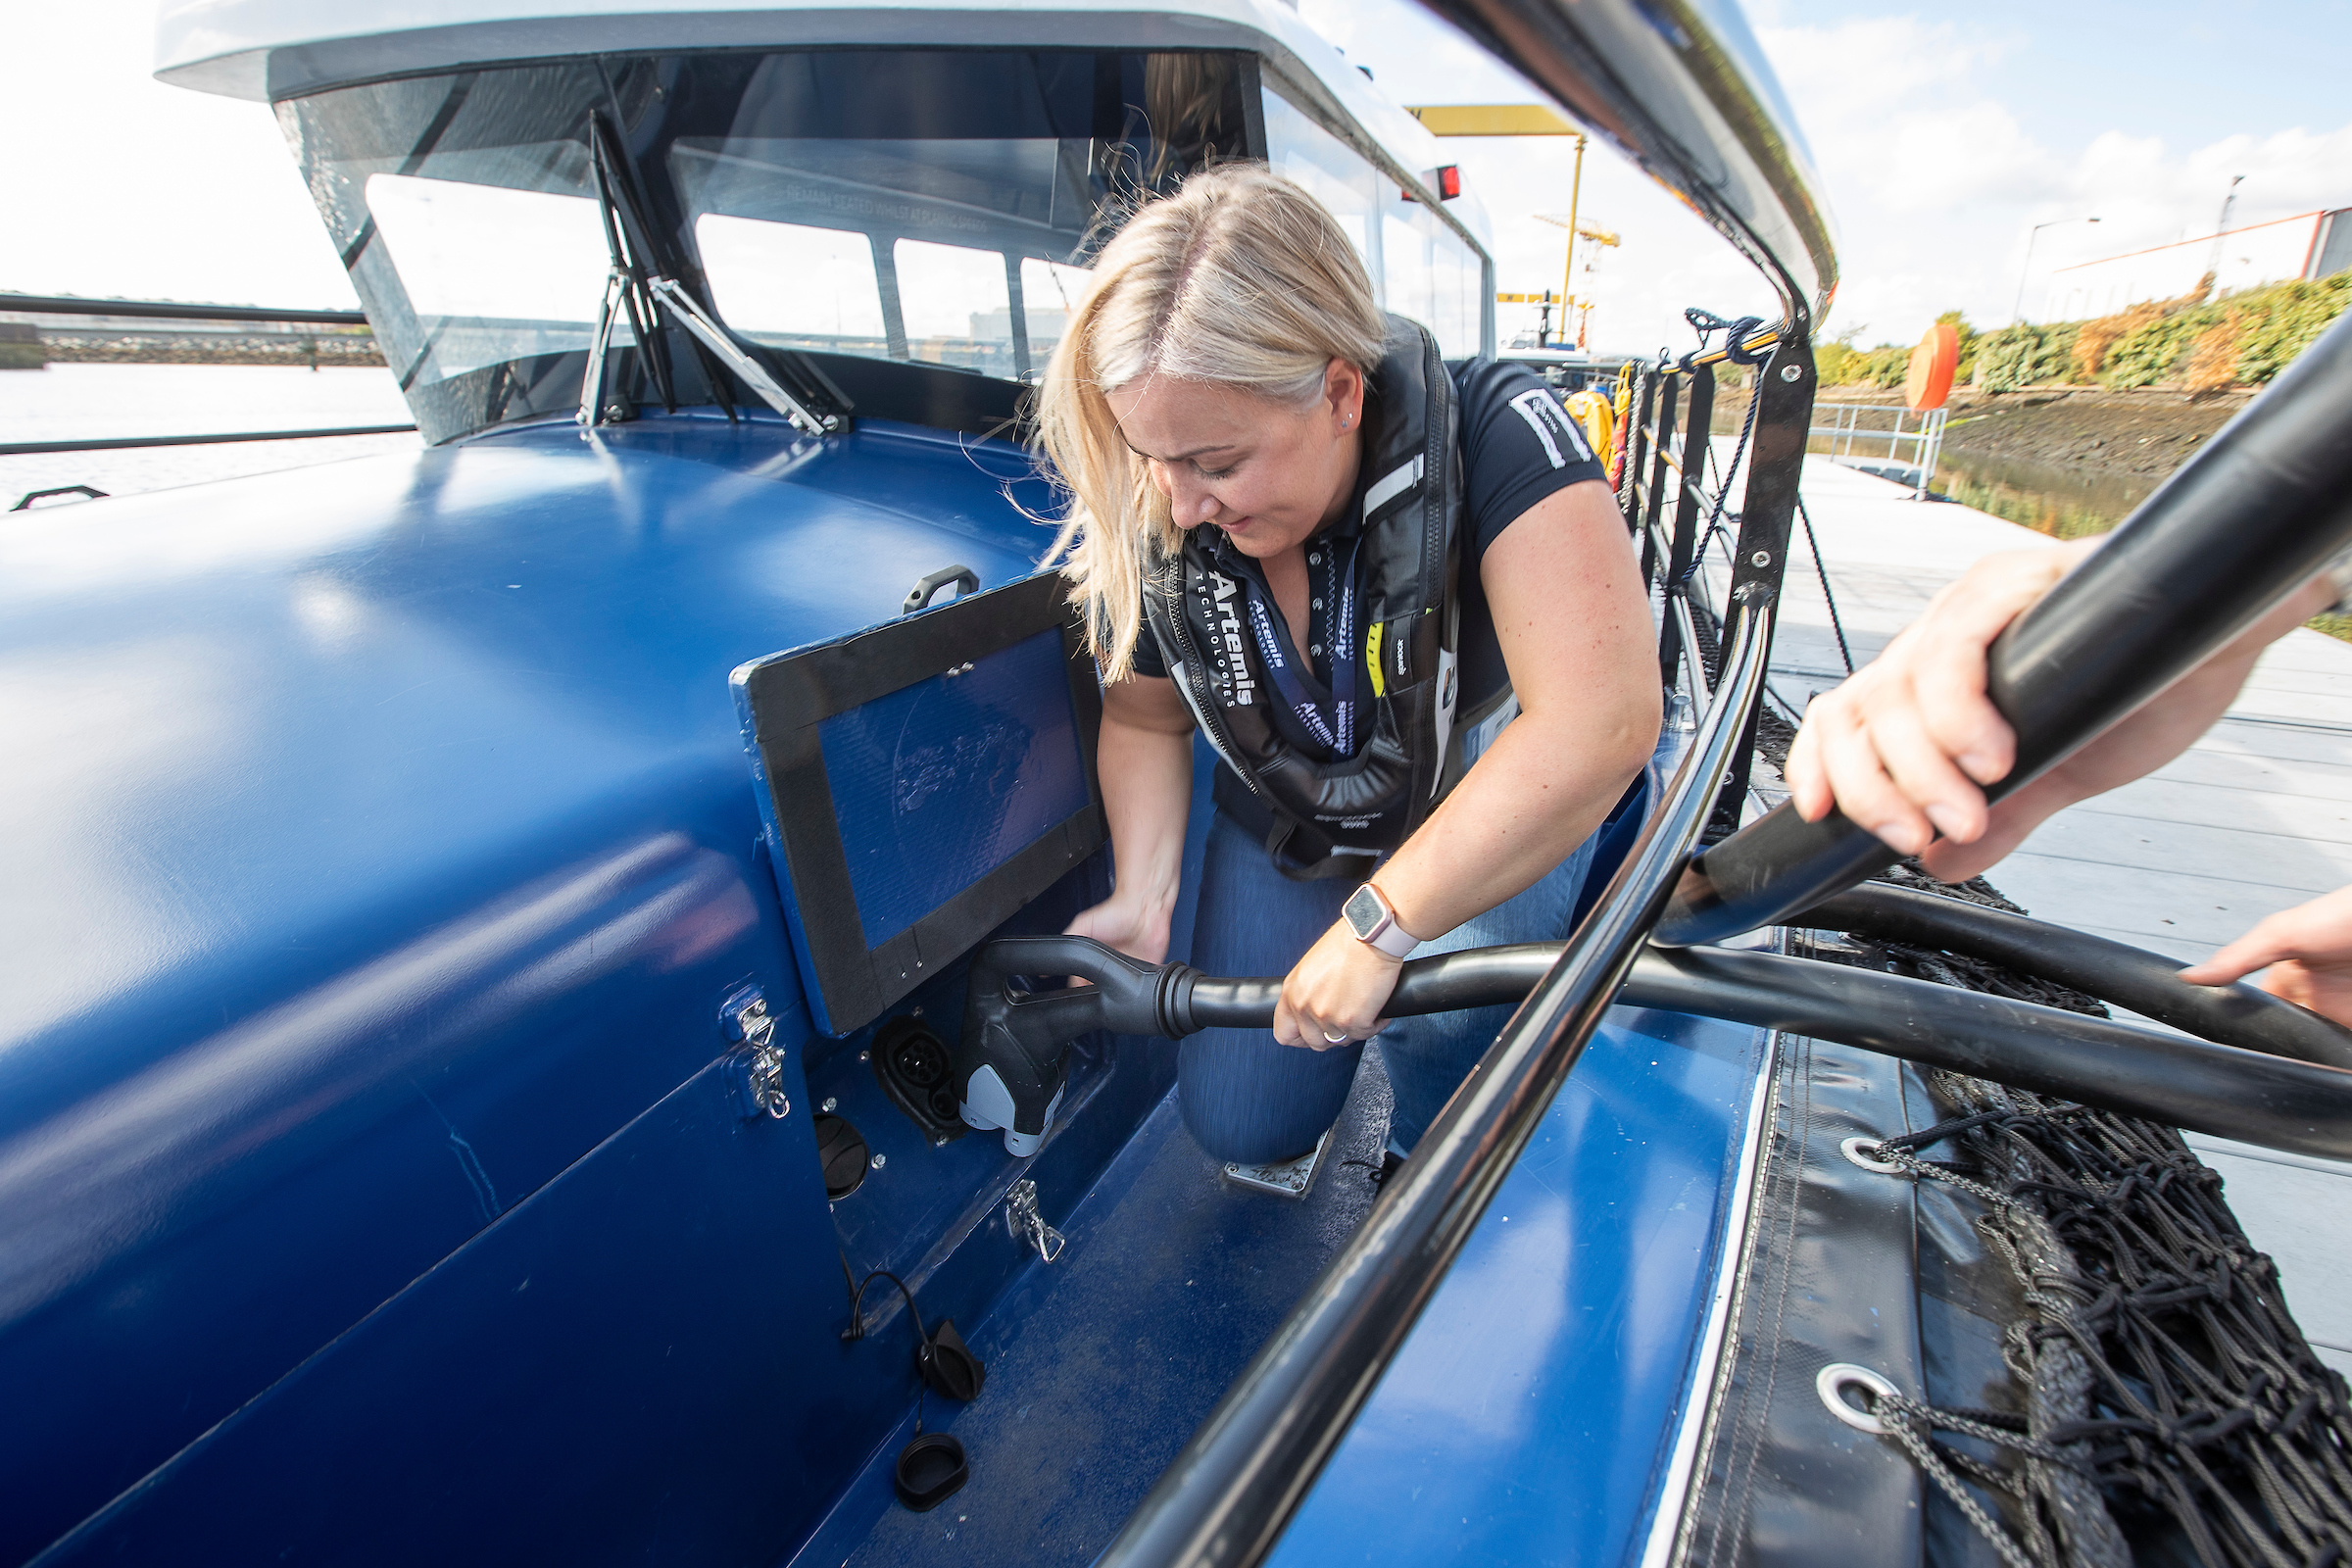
1838	1376
1852	1148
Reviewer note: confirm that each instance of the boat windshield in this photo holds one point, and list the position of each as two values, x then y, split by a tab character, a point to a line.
922	206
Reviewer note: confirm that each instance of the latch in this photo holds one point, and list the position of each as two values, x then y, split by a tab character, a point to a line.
1025	1223
761	1086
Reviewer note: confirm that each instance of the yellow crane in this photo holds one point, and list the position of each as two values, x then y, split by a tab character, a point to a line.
1600	236
1525	120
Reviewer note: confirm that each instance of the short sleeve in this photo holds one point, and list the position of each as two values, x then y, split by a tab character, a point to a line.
1147	652
1519	445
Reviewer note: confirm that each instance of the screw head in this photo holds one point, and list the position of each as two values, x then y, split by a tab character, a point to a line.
878	1161
828	1107
1792	373
1762	558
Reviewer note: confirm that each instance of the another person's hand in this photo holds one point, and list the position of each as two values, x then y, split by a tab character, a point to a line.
2308	949
1906	746
1334	995
1134	929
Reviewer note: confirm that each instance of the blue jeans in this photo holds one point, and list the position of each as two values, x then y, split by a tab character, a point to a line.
1244	1096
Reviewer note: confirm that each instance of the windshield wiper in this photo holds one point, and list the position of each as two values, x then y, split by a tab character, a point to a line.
631	286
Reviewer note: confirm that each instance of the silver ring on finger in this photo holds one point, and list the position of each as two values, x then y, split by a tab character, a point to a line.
1340	1039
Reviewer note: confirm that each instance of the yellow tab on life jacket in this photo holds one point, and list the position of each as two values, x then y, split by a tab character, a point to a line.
1380	686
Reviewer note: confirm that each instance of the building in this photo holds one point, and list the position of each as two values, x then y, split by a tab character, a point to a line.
2308	245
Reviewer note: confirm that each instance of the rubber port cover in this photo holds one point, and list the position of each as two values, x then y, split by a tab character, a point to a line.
948	1364
930	1470
841	1154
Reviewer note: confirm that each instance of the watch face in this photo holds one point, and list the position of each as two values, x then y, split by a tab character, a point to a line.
1363	912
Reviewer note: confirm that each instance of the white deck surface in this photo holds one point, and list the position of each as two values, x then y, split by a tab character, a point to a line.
2254	818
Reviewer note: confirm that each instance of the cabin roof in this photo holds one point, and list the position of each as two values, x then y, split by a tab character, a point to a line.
267	50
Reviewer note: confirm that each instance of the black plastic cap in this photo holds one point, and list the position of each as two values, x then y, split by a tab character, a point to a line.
931	1469
948	1364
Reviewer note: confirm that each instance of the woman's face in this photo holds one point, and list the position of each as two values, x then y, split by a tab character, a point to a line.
1269	474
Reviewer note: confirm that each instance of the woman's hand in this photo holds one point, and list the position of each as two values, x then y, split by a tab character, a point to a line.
1336	991
1138	929
2308	949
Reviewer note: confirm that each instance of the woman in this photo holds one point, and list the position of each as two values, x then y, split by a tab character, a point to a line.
1293	527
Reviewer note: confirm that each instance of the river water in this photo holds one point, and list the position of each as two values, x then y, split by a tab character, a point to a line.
68	402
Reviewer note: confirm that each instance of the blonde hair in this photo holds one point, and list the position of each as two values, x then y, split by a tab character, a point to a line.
1242	278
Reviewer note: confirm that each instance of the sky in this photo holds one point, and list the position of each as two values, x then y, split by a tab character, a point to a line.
1941	142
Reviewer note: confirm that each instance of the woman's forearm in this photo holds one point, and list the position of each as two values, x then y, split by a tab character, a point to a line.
1148	796
1539	792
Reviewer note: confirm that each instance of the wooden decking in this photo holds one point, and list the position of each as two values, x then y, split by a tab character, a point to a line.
2254	818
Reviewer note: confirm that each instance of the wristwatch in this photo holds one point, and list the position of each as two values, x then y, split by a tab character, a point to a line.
1373	919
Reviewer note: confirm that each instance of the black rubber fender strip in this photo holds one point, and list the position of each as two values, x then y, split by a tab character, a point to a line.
2246	1094
2147	983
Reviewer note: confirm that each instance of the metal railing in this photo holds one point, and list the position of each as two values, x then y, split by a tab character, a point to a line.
173	311
1855	444
1225	1500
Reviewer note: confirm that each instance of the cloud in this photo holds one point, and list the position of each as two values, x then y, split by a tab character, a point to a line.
1939	185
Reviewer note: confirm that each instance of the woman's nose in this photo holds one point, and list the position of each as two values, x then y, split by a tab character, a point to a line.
1191	503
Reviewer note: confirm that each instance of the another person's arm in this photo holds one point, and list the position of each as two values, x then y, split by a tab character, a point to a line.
1906	747
1145	759
1573	625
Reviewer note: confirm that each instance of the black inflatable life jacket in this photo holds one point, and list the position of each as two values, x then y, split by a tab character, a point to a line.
1335	818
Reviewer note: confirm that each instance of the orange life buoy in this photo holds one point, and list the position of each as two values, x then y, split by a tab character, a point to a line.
1932	363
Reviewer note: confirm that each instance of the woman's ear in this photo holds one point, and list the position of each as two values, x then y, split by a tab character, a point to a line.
1344	393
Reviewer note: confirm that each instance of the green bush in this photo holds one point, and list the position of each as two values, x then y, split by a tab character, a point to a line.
2273	326
2013	358
2147	344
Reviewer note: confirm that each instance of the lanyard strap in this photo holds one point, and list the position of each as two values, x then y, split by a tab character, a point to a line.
1335	734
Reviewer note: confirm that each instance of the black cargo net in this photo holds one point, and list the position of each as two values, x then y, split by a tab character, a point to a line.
2169	1408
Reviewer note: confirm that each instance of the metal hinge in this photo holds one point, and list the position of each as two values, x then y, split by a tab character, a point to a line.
760	1063
1025	1223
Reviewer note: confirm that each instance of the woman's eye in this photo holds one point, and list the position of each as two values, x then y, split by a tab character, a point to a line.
1214	473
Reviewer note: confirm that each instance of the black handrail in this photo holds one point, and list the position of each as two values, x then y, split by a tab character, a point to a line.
1225	1500
26	449
172	310
2260	508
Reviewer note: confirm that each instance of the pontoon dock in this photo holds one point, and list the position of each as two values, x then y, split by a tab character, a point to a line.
2254	818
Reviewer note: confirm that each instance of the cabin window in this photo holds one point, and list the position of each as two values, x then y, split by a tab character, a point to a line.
1340	177
908	205
790	283
1420	266
1050	296
957	305
542	297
